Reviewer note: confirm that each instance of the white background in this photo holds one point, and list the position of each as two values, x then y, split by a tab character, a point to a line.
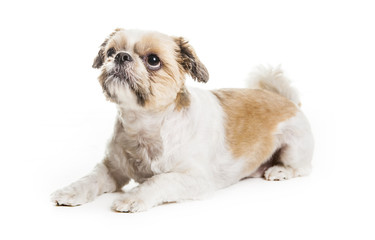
55	120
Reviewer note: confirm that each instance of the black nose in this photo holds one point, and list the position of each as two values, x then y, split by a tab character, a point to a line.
123	57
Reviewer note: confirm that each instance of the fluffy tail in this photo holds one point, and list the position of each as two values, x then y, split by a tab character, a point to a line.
273	79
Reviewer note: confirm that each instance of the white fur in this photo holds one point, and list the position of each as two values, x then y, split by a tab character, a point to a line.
195	161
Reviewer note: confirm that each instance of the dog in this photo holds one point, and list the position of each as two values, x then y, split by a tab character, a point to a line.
179	142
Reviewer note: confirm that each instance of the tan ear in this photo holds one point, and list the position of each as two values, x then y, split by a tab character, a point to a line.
99	59
189	61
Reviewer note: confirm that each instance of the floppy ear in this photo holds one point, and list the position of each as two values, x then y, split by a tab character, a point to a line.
189	61
99	59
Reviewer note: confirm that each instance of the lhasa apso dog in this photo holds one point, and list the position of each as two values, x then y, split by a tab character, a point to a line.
179	142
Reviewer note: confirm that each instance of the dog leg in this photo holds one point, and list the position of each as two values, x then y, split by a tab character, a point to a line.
296	154
86	189
167	187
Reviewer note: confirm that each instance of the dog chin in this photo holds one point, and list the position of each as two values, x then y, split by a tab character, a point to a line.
121	94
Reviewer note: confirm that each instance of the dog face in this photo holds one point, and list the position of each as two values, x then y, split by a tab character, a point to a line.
147	69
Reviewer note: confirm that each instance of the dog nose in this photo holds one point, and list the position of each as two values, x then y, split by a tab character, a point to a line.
123	57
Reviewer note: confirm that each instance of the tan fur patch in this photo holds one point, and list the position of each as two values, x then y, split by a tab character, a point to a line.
168	80
252	117
182	99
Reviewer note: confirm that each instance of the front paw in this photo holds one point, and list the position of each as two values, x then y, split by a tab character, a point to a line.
71	196
130	203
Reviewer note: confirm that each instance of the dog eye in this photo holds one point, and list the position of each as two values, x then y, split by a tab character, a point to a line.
110	52
153	62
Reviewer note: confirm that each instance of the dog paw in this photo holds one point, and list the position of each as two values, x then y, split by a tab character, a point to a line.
130	204
71	196
278	173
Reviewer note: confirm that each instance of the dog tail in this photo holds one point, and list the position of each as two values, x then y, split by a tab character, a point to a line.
274	80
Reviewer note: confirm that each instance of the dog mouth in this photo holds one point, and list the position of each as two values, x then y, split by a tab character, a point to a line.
121	75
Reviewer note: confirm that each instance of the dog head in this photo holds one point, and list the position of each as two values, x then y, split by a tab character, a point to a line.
147	69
